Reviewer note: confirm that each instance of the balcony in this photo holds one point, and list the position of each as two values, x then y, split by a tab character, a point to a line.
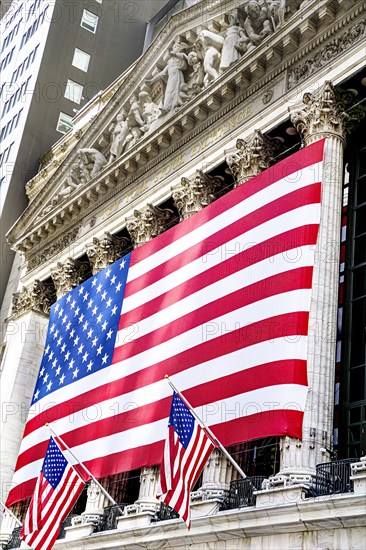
241	492
331	478
334	477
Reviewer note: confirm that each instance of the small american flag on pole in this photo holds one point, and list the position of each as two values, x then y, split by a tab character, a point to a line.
187	448
57	489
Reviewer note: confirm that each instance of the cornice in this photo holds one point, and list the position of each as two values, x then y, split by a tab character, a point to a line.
231	89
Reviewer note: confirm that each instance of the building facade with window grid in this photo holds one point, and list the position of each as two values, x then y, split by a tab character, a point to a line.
38	45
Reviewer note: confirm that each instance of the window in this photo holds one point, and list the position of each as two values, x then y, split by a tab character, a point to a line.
89	21
4	157
81	60
64	123
73	91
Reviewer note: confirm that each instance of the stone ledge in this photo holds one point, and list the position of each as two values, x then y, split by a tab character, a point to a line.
310	515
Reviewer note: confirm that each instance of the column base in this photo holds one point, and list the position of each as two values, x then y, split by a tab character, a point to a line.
292	476
279	496
135	521
206	507
79	530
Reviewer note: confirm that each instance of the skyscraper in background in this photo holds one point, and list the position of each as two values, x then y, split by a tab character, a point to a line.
54	57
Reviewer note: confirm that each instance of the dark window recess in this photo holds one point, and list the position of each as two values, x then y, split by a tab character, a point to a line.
359	282
360	221
357	384
357	343
361	190
352	375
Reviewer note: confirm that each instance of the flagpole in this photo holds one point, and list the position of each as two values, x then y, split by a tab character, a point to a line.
11	514
206	429
105	493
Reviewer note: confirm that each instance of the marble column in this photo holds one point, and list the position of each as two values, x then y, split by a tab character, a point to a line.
143	226
252	156
217	475
327	114
68	275
196	192
24	342
149	222
149	478
105	251
190	196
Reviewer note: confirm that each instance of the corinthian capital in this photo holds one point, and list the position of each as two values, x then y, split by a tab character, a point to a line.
194	193
105	251
68	276
146	224
37	297
329	112
253	156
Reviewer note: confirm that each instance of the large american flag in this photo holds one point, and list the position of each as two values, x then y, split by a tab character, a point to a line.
57	489
187	448
220	302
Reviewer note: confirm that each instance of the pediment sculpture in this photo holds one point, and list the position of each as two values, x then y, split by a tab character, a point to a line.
192	62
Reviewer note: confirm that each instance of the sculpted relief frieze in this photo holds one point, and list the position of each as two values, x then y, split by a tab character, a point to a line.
330	50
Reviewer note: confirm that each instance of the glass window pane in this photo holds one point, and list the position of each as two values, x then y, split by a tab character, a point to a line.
73	91
64	123
89	21
81	60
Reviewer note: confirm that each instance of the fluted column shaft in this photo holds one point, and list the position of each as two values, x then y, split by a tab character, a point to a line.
25	338
216	475
149	478
323	117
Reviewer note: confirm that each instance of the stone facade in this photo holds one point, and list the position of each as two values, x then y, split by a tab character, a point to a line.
217	80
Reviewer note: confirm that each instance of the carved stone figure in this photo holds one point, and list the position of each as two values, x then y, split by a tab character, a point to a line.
133	136
210	43
149	110
195	79
146	224
74	178
277	10
257	24
118	137
172	74
194	193
91	161
134	117
235	43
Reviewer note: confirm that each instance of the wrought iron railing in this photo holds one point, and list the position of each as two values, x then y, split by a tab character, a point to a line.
64	524
164	513
14	541
334	477
108	520
241	492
